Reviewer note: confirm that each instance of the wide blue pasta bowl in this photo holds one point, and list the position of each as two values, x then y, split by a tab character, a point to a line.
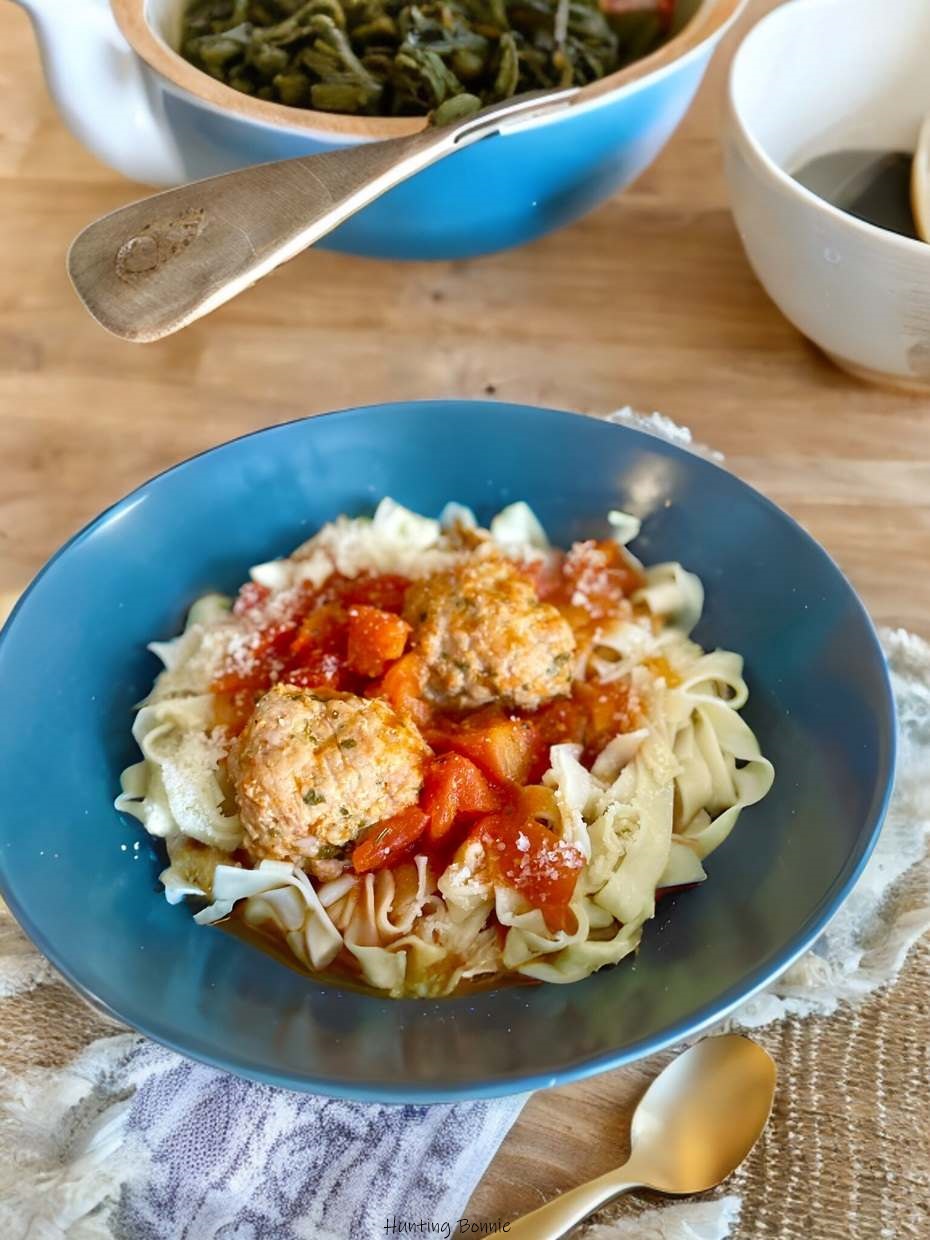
82	879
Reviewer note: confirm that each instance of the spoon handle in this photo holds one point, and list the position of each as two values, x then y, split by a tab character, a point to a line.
150	268
558	1217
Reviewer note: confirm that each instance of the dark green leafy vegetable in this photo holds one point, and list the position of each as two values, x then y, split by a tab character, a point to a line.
397	58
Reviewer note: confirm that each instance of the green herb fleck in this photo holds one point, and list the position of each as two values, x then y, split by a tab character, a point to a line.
312	797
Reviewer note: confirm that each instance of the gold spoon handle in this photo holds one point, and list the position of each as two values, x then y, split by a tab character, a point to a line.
558	1217
149	269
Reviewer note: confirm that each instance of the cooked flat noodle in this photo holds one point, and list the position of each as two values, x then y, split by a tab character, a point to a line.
400	931
670	595
193	660
630	832
673	594
176	787
722	769
394	540
624	527
517	531
684	866
644	815
278	892
191	868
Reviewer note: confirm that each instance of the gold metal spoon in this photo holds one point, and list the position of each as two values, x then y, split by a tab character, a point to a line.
151	268
693	1127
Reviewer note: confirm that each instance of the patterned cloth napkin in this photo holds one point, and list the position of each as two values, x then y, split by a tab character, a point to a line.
235	1160
128	1141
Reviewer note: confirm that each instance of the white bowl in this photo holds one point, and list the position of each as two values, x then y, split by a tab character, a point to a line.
816	76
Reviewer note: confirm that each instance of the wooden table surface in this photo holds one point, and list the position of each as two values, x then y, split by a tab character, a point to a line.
647	302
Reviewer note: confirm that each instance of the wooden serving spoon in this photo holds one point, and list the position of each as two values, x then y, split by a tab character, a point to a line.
693	1127
151	268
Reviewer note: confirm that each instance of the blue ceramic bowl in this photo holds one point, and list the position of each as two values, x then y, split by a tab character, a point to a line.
148	113
73	662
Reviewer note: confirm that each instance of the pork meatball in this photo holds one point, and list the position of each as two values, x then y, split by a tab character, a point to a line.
486	637
313	768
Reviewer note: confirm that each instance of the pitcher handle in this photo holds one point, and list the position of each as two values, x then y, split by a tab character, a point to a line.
103	91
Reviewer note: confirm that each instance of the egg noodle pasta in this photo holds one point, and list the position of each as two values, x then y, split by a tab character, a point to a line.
421	755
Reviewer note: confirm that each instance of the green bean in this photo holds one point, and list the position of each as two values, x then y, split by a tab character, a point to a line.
398	58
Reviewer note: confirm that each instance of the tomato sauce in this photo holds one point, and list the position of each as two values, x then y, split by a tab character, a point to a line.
336	637
589	583
349	635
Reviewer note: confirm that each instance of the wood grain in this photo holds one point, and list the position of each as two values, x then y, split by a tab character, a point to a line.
647	302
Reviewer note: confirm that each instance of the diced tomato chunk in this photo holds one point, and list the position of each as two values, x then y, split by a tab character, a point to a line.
610	709
339	636
389	841
589	581
596	580
386	591
592	716
561	721
375	638
402	686
527	856
505	747
455	788
322	627
623	575
315	669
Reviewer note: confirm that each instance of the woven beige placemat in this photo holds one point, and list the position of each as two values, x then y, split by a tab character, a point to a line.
846	1155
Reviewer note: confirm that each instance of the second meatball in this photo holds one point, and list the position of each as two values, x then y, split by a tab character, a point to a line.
486	637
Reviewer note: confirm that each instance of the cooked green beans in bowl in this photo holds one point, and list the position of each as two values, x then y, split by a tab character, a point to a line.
447	58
